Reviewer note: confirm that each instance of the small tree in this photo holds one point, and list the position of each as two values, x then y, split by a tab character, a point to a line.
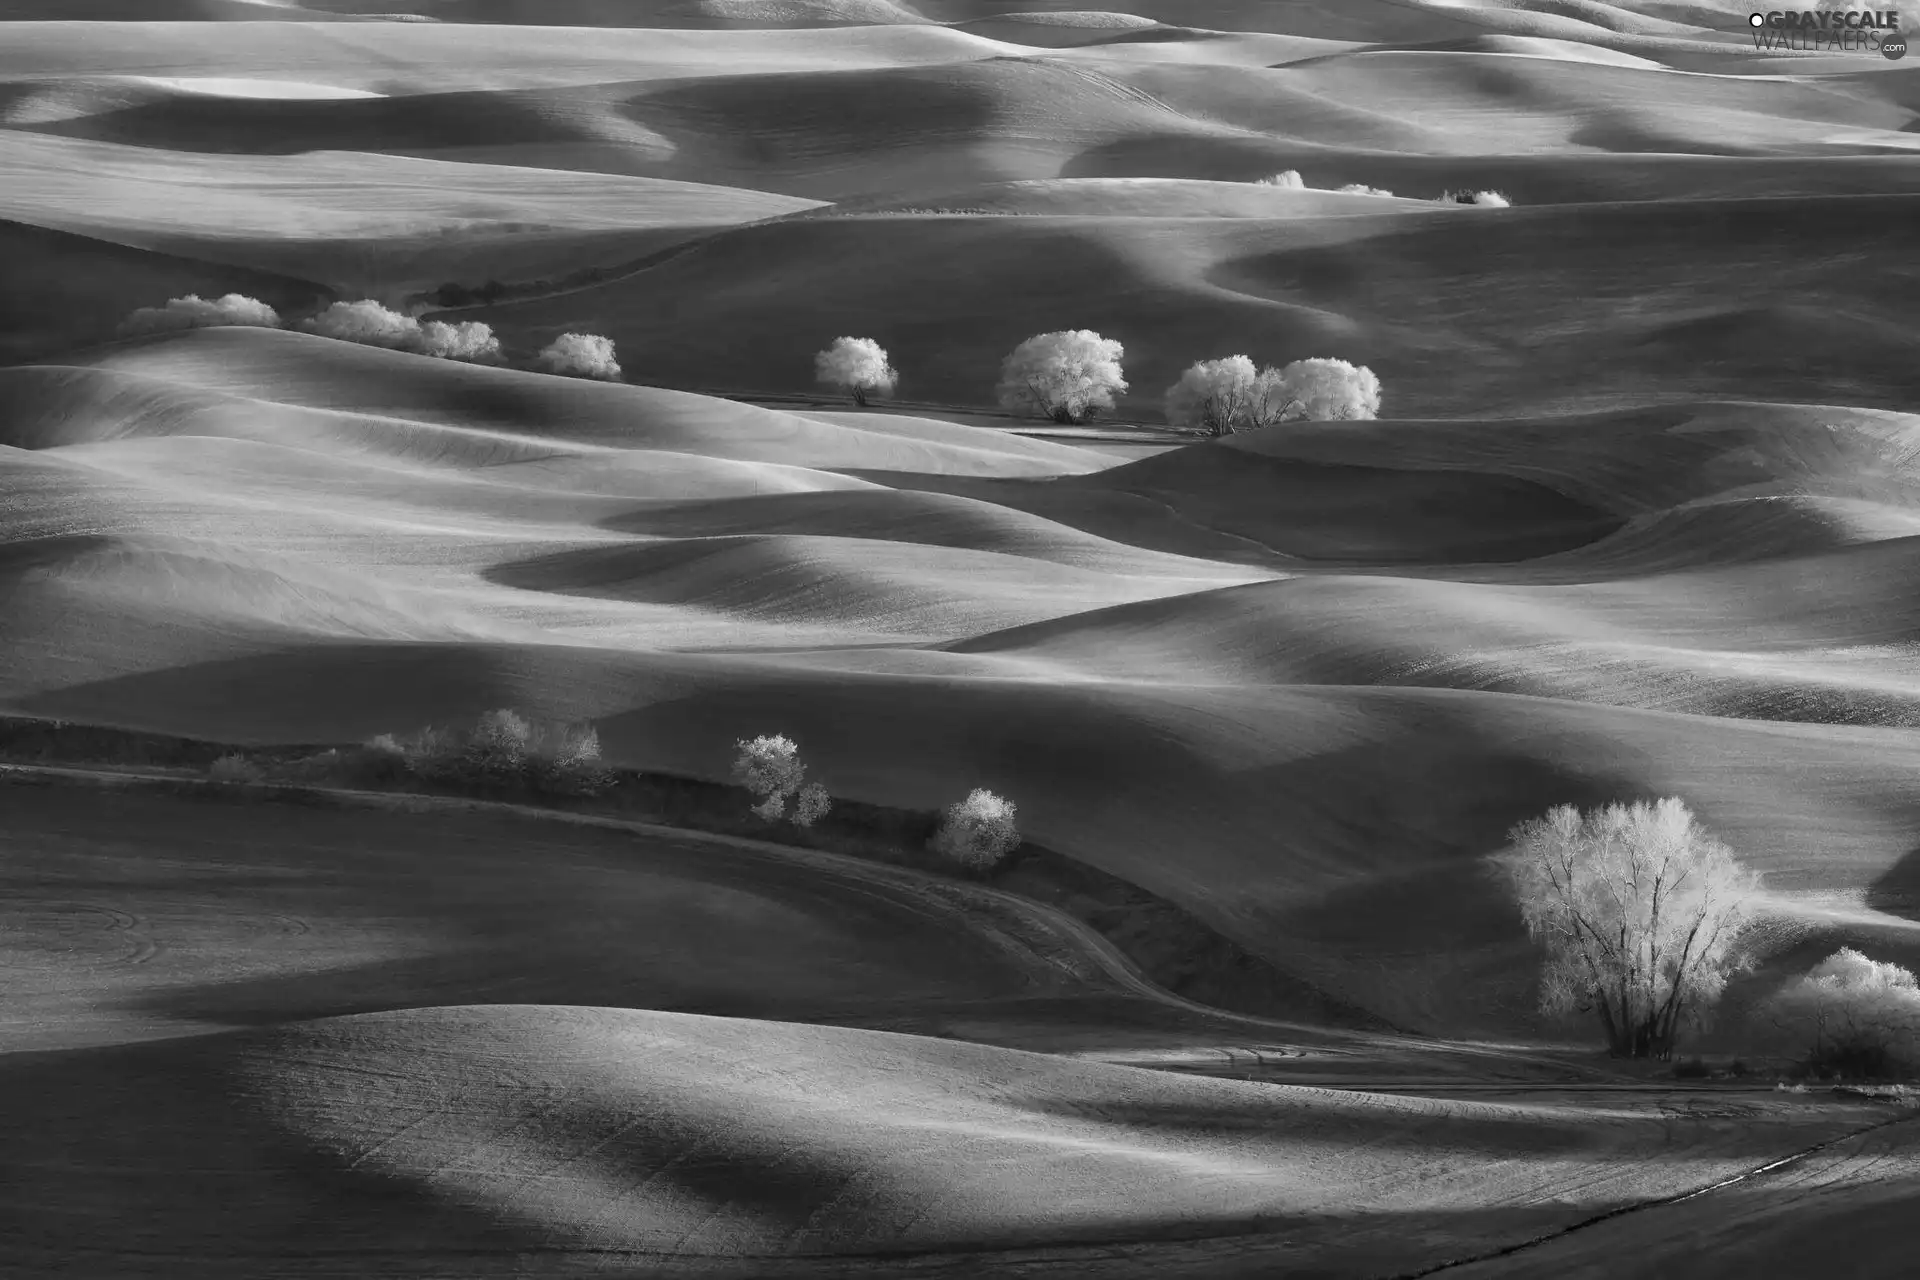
500	745
811	804
579	355
1220	397
196	312
769	767
366	322
1067	375
1641	913
1288	178
235	768
1323	390
1362	189
858	366
1856	1016
977	832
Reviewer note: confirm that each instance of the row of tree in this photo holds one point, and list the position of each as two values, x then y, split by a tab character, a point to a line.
1070	375
977	833
578	355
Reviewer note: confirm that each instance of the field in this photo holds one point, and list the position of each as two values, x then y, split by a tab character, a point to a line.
1639	516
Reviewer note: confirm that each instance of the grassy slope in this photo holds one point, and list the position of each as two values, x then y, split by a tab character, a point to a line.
575	1136
1313	823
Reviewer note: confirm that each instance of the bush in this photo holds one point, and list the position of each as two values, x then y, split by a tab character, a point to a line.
1220	397
195	312
579	355
372	325
1287	178
1605	891
1488	199
1322	390
1857	1018
467	340
235	768
1362	189
769	767
858	366
365	322
1067	375
977	832
503	749
811	804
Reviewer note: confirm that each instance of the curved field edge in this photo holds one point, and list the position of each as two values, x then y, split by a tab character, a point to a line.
1074	928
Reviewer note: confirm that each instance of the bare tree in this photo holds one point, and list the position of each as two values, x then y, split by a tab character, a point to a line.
1642	914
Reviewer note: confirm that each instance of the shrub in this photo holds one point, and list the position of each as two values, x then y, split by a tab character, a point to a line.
565	759
1641	914
811	804
1220	397
1288	178
977	832
769	767
1323	390
579	355
373	325
468	340
497	748
1362	189
503	749
1858	1018
195	312
858	366
365	322
1488	199
1066	376
234	768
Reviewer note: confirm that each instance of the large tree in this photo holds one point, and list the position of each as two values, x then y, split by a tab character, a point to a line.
1643	916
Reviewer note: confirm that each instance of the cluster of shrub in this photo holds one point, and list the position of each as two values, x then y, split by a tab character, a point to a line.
506	752
501	751
1292	181
1071	375
579	355
977	833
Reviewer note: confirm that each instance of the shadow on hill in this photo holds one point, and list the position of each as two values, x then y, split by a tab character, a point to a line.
1897	891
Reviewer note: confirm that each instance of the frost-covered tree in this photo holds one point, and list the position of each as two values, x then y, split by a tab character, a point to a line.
858	366
374	325
1855	1016
1067	375
1322	390
580	355
977	832
769	767
1220	397
365	322
1642	915
1362	189
1466	195
1288	178
196	312
810	804
468	340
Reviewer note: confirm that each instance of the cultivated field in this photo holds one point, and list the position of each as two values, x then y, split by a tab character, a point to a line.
1639	516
